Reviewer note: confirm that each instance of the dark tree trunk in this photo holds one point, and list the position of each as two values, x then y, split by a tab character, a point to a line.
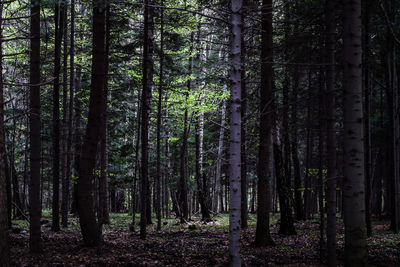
4	223
35	209
354	182
286	224
59	29
263	236
64	134
183	191
147	83
367	114
159	113
331	133
67	182
87	218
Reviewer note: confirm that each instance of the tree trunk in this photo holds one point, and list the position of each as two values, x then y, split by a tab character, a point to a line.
67	182
263	236
243	154
159	113
235	135
87	219
59	29
103	189
218	186
147	83
286	225
331	132
354	203
35	209
183	191
4	246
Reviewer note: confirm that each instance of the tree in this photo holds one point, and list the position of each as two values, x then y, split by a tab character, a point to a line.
235	135
35	209
353	188
331	131
59	29
147	85
4	249
263	237
87	219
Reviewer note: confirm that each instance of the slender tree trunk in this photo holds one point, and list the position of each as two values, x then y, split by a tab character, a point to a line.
147	83
59	29
321	159
298	201
243	154
235	135
309	149
134	199
286	225
102	212
167	171
103	188
159	113
367	114
263	236
35	210
66	192
4	224
64	136
218	187
354	184
331	132
183	190
87	219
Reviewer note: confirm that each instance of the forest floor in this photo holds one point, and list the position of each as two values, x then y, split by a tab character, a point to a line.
177	245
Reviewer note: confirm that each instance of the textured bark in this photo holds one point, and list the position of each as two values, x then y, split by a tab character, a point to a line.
4	244
159	113
286	224
243	153
147	84
167	171
87	218
64	132
183	190
263	236
135	180
298	201
159	118
103	183
201	180
367	111
59	30
218	186
235	135
331	132
353	193
35	210
68	172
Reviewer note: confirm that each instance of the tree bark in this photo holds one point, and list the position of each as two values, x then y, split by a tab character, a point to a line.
4	224
235	135
331	132
35	210
66	187
159	113
59	29
354	203
87	218
147	83
263	236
